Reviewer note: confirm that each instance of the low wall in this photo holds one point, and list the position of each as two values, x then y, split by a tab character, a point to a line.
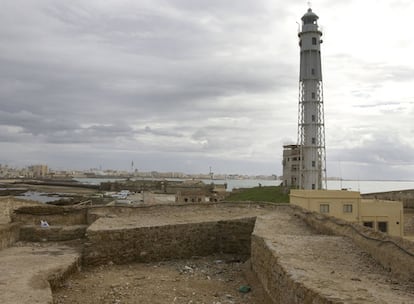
280	286
58	276
179	241
394	253
405	196
9	203
54	215
96	212
9	234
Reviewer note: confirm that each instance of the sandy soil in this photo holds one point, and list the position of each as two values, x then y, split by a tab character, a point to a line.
177	215
25	267
213	280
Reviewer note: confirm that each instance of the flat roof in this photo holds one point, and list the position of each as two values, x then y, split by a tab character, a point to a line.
325	193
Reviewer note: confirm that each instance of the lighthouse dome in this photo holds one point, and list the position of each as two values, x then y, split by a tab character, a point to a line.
310	17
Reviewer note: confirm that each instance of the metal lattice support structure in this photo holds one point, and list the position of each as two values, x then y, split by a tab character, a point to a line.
311	120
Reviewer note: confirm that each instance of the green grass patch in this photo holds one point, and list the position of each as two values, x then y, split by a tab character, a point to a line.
274	194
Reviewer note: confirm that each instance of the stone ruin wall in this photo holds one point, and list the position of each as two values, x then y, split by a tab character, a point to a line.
178	241
65	223
9	234
144	244
394	253
278	284
54	215
404	196
52	234
96	212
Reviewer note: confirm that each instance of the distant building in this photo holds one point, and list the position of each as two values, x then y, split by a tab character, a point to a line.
208	193
38	171
384	216
291	163
190	196
218	193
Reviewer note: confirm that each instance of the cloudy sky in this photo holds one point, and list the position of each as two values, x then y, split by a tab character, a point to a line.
182	85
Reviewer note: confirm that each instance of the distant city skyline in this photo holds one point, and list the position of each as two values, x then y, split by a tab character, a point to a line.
184	85
43	171
32	171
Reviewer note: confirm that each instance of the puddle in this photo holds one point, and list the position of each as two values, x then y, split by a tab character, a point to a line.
41	196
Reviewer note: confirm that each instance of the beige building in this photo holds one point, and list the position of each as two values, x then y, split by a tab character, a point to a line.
190	196
385	216
39	170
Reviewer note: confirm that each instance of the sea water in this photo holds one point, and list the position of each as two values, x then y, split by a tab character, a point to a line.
363	186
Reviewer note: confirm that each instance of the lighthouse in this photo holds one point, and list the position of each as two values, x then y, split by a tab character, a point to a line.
311	121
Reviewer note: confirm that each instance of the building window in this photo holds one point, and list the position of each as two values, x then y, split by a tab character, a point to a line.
383	226
313	140
314	40
347	208
313	118
368	224
323	208
313	163
313	186
313	71
313	95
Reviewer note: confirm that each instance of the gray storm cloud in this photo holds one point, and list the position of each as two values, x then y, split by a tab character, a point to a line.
181	85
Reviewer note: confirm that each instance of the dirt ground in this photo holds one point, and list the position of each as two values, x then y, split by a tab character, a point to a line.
200	280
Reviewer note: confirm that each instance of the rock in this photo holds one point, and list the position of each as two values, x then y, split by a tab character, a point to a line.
245	289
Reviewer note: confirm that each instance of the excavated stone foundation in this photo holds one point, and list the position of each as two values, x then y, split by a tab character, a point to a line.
298	257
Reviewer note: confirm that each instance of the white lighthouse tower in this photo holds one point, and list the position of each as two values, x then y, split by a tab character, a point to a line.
311	122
